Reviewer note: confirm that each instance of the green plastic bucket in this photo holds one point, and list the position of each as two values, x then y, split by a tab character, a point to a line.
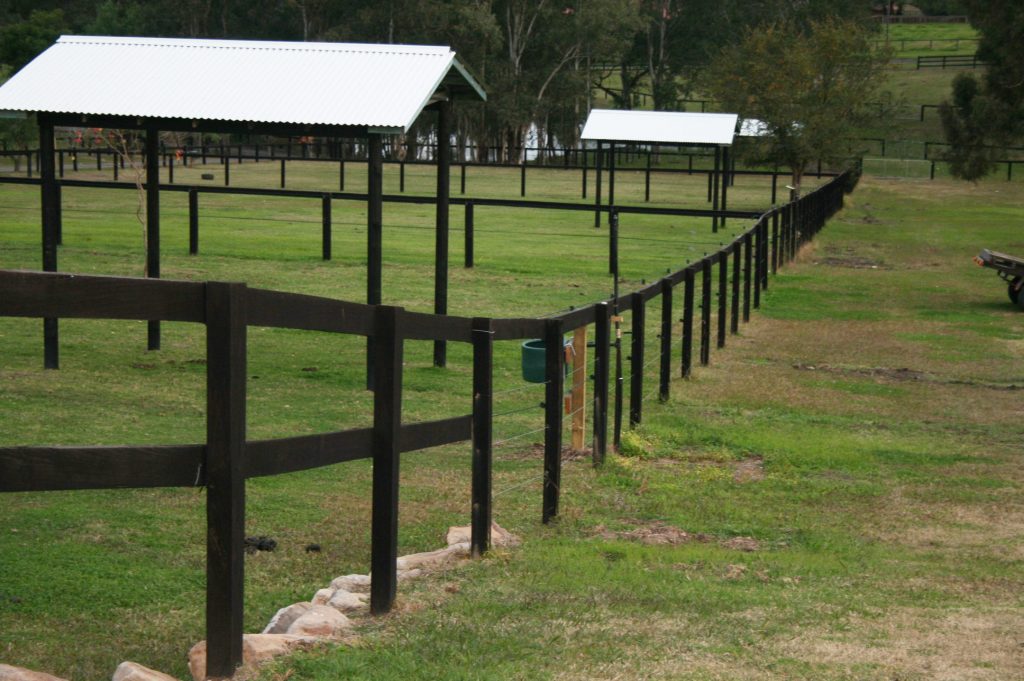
534	361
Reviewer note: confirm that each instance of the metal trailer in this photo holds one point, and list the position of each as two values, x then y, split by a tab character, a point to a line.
1009	268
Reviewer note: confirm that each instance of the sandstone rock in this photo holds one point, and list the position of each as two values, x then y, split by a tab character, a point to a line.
322	596
284	617
352	583
499	536
321	621
256	648
9	673
434	559
409	574
346	601
132	671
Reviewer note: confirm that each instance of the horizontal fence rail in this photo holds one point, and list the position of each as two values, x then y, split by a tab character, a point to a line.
228	458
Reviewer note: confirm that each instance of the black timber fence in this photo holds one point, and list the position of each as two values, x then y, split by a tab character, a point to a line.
228	458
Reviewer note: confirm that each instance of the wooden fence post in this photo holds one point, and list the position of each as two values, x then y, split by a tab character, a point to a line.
636	360
282	173
469	228
666	339
723	294
554	356
325	211
747	254
705	312
686	364
602	362
775	241
734	322
483	414
387	348
758	243
341	175
193	221
225	475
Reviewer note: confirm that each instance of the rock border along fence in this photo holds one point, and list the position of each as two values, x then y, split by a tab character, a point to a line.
227	459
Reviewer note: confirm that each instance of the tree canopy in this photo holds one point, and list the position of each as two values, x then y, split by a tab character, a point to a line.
540	60
809	84
988	112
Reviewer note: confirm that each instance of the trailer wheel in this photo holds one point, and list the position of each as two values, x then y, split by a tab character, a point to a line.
1013	290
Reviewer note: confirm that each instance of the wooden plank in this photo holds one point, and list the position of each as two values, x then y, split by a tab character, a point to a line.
705	312
153	226
747	254
579	386
325	230
53	294
686	361
291	454
426	434
483	417
387	418
309	313
225	473
573	319
734	322
514	329
723	293
39	469
50	212
423	326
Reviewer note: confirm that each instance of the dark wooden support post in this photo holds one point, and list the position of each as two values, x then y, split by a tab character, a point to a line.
227	171
193	221
522	175
636	361
49	197
597	185
444	172
170	169
115	164
374	235
686	364
734	322
325	212
401	176
666	339
282	173
341	174
758	248
387	425
602	364
99	160
705	312
153	221
224	473
483	413
725	184
60	165
469	227
583	189
775	187
611	177
462	178
716	179
765	259
723	294
775	242
747	252
613	243
554	356
647	178
74	159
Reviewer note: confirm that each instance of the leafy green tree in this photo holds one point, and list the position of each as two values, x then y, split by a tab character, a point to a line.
987	113
21	41
808	84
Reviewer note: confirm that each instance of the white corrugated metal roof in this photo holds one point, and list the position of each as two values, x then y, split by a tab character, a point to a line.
383	87
667	127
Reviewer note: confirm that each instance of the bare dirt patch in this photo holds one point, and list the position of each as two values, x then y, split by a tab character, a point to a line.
903	374
750	469
663	534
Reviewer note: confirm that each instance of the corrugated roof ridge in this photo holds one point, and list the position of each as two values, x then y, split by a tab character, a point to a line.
259	45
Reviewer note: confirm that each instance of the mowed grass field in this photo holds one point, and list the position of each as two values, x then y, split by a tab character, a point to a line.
836	496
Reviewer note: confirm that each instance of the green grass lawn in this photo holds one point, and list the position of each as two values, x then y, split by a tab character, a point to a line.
883	503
